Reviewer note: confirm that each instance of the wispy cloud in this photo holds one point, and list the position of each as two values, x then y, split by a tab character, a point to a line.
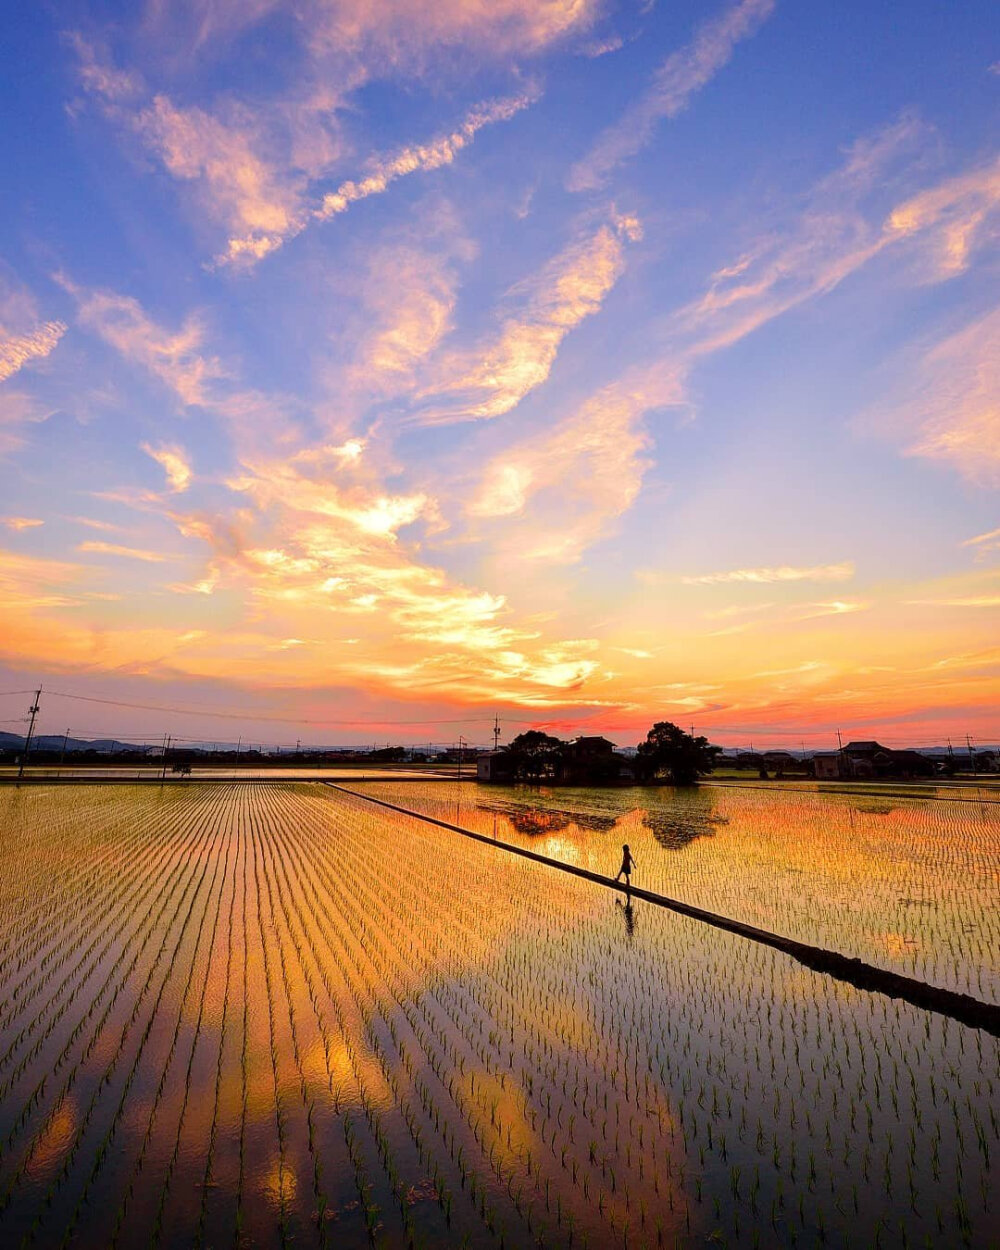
24	335
21	522
834	237
563	487
385	170
984	545
258	171
982	538
970	601
381	172
16	350
96	547
175	357
409	294
956	405
175	464
493	378
682	75
255	198
92	523
393	38
781	573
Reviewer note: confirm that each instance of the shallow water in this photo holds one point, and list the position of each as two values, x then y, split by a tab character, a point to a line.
910	885
277	1014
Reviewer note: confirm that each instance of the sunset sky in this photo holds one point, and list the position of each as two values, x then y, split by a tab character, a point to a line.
368	367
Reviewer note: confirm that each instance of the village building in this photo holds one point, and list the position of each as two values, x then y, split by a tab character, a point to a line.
494	766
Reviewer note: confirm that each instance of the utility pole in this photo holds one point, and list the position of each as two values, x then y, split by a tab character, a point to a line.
972	757
62	753
239	747
461	745
166	748
496	732
33	712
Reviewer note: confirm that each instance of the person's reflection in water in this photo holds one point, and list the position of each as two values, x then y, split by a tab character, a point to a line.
628	915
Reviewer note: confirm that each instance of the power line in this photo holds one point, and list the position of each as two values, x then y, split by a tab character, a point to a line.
288	720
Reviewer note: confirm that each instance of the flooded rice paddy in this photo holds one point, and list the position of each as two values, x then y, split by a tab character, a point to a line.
277	1015
909	885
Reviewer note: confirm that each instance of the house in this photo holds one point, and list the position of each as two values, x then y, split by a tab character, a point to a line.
589	759
827	766
867	760
494	766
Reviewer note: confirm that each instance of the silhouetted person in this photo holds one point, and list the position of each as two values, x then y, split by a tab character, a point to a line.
628	863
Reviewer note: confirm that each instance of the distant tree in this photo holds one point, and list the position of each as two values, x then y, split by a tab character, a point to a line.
534	753
388	755
670	752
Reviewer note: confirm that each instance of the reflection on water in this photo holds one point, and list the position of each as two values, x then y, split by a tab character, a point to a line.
627	909
835	870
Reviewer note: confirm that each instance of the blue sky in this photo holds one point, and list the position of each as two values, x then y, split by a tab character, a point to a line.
596	363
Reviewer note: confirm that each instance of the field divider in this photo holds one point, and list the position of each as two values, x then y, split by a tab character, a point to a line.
962	1008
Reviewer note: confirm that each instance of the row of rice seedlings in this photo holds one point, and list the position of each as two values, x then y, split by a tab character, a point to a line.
352	964
192	987
346	903
102	1153
296	873
274	869
244	1058
279	1110
48	933
230	947
136	887
44	835
165	955
89	1026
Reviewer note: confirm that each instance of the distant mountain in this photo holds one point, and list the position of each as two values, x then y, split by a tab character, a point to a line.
54	742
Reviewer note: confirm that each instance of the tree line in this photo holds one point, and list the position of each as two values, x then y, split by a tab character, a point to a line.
667	753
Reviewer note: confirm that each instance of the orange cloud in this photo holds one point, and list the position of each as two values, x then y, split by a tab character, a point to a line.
24	336
21	522
240	188
175	464
16	350
568	484
399	34
782	573
495	377
409	296
114	549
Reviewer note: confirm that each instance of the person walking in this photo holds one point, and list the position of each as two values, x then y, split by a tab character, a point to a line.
628	863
